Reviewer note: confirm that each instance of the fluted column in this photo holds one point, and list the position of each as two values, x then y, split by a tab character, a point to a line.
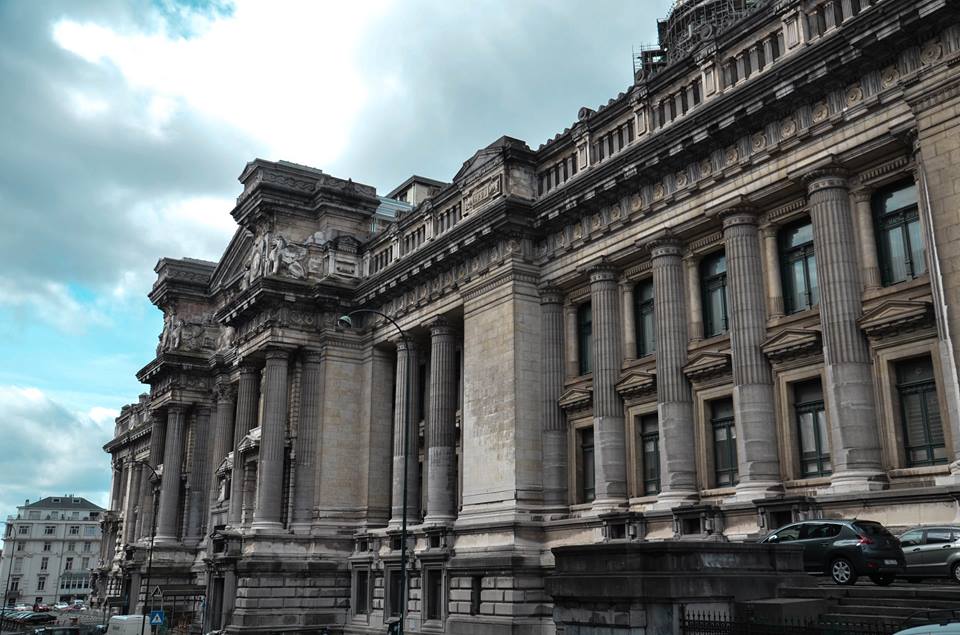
117	489
155	457
442	430
308	434
170	479
226	395
248	403
754	410
694	299
629	320
130	504
570	361
851	413
199	473
771	254
608	421
870	264
678	476
267	513
554	446
403	422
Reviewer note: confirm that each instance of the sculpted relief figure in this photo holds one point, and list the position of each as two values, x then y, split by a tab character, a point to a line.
164	343
225	338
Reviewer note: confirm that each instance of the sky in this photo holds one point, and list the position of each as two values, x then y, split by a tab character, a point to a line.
125	124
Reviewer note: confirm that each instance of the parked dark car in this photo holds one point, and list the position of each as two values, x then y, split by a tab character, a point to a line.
845	549
932	552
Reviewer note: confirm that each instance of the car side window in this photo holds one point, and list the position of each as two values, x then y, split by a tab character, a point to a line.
786	534
821	531
911	539
939	536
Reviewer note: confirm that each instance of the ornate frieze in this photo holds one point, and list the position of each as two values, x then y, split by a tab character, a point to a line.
576	399
896	316
636	383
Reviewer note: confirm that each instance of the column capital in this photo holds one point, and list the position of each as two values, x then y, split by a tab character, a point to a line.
226	392
405	344
439	326
769	230
311	356
603	271
825	176
862	195
276	354
666	246
176	409
550	295
740	214
249	367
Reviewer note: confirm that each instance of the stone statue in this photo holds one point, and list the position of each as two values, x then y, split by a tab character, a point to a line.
225	338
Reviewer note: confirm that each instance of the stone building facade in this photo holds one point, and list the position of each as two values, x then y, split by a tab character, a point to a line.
723	301
50	550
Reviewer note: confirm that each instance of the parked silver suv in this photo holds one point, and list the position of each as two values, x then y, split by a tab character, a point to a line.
932	552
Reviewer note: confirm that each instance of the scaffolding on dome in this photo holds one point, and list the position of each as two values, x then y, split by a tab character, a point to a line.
693	21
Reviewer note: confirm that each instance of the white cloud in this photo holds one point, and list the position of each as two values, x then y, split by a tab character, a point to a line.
51	302
283	71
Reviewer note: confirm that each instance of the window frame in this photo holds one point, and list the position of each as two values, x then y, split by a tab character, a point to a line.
923	388
356	595
584	338
582	464
729	423
897	220
647	486
710	284
433	608
643	307
788	255
822	451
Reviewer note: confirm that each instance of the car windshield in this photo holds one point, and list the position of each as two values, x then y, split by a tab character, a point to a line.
872	529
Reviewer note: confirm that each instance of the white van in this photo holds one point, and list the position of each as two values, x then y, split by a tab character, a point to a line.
128	625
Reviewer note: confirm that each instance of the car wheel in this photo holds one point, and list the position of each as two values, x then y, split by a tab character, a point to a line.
842	572
955	572
882	579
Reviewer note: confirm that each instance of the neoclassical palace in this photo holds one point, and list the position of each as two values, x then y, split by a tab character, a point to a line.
724	300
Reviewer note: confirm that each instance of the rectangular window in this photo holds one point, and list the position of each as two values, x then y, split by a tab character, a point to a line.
713	286
23	530
17	565
47	546
87	547
395	596
19	546
920	413
44	562
68	565
812	428
15	584
476	587
85	564
90	530
644	319
41	583
648	449
585	338
899	241
361	593
74	530
71	546
587	482
434	591
724	443
798	267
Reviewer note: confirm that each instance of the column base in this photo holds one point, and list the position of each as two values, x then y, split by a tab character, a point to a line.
849	481
604	505
267	527
753	490
301	528
160	539
676	498
437	519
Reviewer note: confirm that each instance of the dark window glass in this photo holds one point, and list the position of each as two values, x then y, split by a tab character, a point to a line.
630	131
939	536
911	538
361	594
899	242
588	488
696	92
585	338
396	589
724	443
713	286
644	319
920	413
476	586
798	267
434	594
648	448
812	424
421	392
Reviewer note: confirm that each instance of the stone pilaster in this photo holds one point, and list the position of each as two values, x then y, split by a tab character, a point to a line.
170	480
678	476
694	299
130	504
551	377
629	320
226	396
441	421
852	412
404	430
754	409
771	256
267	513
145	518
308	435
869	262
199	477
248	403
571	359
608	419
116	492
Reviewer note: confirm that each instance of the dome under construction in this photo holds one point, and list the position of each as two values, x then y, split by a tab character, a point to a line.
693	21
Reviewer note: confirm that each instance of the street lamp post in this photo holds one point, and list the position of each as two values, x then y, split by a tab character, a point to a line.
153	533
345	321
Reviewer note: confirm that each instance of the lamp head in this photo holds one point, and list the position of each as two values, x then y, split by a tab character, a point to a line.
345	322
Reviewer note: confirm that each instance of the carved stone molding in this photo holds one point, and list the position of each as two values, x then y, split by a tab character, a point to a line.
708	364
895	316
636	383
576	399
791	343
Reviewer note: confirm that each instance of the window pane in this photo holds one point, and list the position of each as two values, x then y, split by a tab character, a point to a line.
892	200
917	256
893	249
648	326
713	320
814	283
797	298
589	484
808	439
585	337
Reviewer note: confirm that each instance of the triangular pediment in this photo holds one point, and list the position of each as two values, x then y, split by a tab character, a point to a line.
636	382
894	316
792	343
575	399
226	465
481	157
232	262
251	440
707	364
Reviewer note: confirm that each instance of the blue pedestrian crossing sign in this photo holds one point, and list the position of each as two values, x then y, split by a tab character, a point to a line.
156	618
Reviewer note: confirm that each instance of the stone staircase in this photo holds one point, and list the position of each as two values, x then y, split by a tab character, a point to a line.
899	605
